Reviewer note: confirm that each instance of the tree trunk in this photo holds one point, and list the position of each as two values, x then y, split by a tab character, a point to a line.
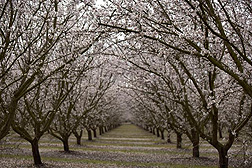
89	135
106	130
223	158
35	152
196	149
5	128
153	131
179	140
158	135
169	138
110	127
162	134
195	141
78	136
100	130
94	131
220	133
78	140
66	145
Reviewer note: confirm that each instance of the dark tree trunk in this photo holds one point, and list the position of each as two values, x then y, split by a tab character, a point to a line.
162	134
65	144
146	128
5	128
153	131
196	149
94	131
100	130
223	158
179	140
195	141
110	127
35	152
78	140
220	133
78	136
169	138
106	130
158	135
89	135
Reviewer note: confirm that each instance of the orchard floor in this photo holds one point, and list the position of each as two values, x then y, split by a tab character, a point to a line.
125	146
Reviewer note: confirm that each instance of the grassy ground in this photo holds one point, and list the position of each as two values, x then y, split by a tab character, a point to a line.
125	146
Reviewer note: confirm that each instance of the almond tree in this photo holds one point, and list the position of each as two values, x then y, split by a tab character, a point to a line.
64	122
33	119
41	106
68	119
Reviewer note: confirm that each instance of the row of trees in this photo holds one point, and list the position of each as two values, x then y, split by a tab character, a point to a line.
52	77
189	66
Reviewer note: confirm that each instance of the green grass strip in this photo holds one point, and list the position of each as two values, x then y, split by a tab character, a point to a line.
144	151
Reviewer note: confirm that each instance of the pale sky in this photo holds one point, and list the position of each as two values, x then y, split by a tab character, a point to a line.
99	2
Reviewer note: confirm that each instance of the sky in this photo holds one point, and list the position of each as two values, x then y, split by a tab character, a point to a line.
100	2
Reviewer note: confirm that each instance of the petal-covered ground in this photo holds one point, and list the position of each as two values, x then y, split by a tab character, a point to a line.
125	146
